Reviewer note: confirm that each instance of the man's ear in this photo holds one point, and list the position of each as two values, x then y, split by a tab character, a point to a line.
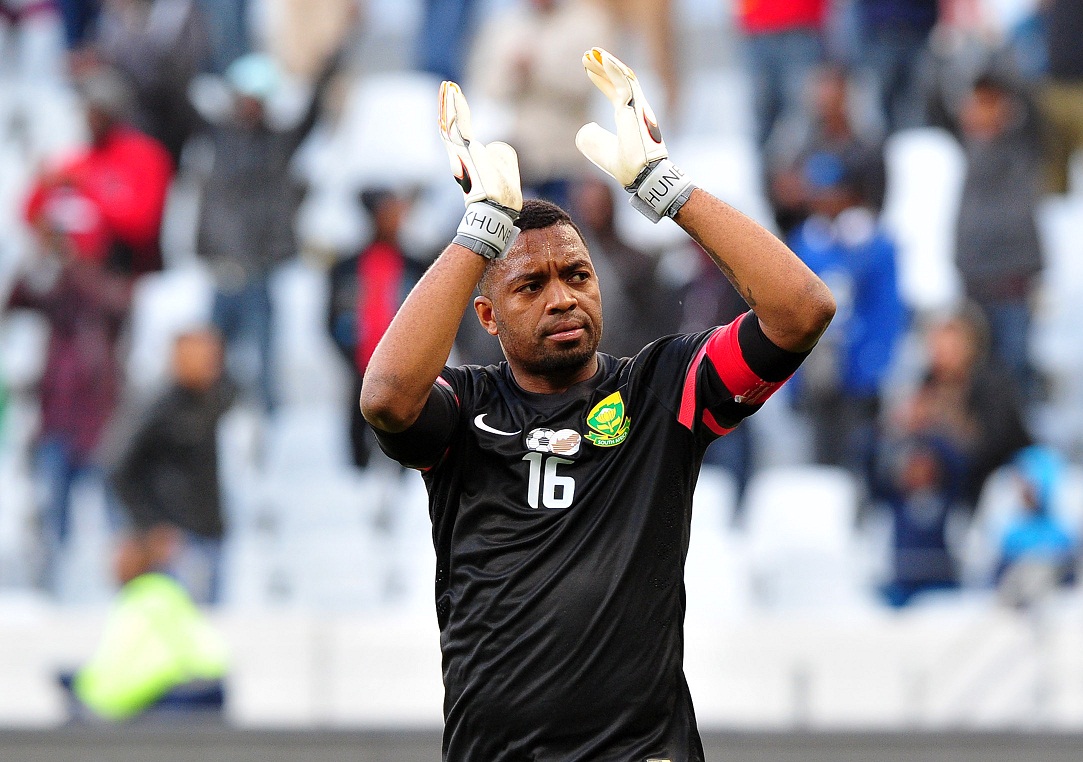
484	308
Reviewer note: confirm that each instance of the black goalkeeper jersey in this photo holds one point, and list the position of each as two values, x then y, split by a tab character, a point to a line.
561	527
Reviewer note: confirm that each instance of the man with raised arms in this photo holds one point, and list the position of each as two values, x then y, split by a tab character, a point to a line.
560	481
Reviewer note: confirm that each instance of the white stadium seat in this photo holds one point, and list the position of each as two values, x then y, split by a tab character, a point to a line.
925	169
800	529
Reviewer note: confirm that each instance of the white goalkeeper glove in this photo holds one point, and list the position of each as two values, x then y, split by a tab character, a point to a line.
488	175
636	156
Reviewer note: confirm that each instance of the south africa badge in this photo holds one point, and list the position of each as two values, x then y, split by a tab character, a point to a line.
608	423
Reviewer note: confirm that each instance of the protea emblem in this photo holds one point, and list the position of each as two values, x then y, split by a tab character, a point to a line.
607	422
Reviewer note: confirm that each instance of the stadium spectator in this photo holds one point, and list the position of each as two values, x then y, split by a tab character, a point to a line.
783	42
1062	89
651	22
158	46
997	247
840	386
250	199
895	42
1037	547
79	17
965	401
110	197
166	474
85	303
918	479
365	291
528	59
830	124
157	648
303	33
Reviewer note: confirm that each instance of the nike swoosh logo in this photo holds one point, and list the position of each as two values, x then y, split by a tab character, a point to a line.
464	179
480	423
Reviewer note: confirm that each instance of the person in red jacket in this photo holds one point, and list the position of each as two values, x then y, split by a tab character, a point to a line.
109	198
366	290
96	219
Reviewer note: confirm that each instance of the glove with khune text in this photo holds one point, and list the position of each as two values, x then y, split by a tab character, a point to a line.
488	175
636	156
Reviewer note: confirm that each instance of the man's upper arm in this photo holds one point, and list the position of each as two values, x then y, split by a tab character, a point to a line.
424	443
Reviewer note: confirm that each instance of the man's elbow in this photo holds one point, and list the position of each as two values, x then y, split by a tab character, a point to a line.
823	309
385	407
816	314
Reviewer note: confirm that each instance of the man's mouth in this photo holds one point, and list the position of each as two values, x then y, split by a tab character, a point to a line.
565	332
570	335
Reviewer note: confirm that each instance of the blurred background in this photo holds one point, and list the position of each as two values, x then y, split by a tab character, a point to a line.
212	208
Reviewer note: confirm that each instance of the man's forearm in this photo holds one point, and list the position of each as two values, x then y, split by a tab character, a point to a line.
416	346
792	303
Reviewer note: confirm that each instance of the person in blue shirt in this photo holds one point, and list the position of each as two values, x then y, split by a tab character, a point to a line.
919	483
1036	536
844	244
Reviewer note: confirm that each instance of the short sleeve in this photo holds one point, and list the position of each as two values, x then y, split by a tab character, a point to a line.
736	370
423	444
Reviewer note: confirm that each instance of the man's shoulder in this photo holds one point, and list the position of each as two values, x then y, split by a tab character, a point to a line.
672	347
473	380
663	365
131	141
474	371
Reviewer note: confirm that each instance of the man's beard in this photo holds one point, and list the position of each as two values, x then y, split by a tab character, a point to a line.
563	362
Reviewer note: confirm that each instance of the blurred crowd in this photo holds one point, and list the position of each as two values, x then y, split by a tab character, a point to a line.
186	96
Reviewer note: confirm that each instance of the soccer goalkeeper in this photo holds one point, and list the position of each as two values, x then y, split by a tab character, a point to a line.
560	481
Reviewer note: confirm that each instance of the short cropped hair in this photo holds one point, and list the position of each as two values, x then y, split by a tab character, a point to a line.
537	214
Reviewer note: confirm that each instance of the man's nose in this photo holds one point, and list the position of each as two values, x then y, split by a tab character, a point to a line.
561	297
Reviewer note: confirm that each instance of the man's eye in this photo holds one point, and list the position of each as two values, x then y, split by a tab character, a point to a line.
580	276
529	288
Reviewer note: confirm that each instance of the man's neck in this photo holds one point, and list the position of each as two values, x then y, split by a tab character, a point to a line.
553	383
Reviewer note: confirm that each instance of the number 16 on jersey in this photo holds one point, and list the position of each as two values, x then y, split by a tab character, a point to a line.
545	488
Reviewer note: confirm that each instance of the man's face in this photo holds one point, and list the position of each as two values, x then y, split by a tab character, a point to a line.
543	303
986	113
250	111
197	360
952	350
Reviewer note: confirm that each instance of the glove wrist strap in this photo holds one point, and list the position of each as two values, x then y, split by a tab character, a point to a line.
661	189
487	229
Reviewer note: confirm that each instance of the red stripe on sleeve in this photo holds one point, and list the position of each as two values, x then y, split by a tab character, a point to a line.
687	414
712	423
724	352
723	349
443	382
